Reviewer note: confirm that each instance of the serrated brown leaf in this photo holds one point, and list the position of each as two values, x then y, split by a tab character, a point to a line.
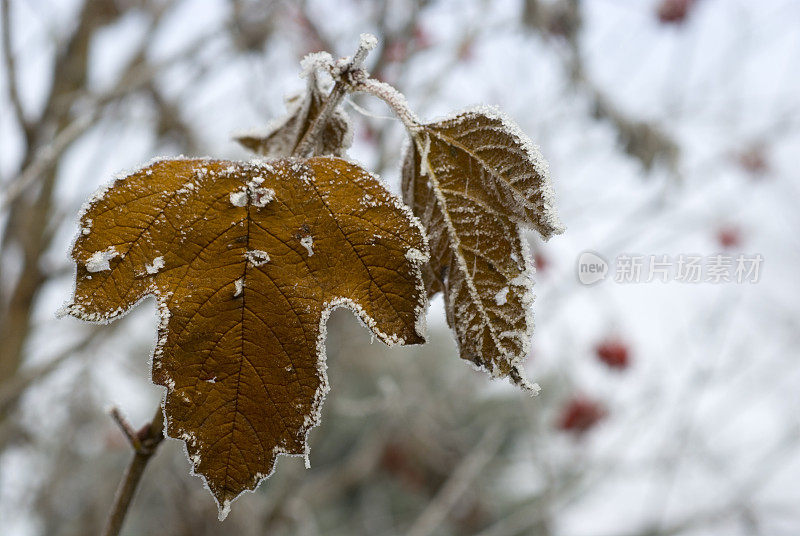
473	180
246	261
283	137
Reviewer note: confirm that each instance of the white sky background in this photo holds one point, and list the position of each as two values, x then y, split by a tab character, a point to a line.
714	389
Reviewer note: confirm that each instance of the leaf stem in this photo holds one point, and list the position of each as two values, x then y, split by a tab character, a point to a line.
350	77
393	98
338	93
144	444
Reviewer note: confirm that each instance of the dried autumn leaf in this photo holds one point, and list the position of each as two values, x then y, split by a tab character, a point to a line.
246	261
282	137
473	180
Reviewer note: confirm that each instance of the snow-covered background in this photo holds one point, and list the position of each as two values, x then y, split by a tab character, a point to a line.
671	127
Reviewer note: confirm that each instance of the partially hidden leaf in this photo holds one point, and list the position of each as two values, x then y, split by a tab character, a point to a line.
246	261
282	137
474	180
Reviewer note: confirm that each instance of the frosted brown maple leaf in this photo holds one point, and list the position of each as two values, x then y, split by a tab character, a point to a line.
246	261
473	180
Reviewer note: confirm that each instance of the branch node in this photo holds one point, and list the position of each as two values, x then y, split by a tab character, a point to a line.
144	443
131	435
343	72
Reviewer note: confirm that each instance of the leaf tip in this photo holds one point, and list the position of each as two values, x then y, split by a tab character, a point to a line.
224	508
64	310
518	378
553	227
417	338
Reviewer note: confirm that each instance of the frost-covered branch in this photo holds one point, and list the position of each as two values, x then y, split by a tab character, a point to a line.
340	70
350	77
393	98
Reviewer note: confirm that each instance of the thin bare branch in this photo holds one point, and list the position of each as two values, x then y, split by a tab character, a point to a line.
126	428
150	437
9	68
46	158
452	490
12	388
140	75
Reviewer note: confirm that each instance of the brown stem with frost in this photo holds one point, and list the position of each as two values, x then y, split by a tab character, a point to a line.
338	93
393	99
145	442
352	78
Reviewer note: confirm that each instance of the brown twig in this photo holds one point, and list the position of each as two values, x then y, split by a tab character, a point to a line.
144	443
126	428
11	74
13	388
452	490
336	95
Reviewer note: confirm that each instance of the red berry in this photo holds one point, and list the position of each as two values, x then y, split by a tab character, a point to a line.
397	50
422	38
580	414
398	461
368	134
613	353
729	237
753	160
674	11
540	261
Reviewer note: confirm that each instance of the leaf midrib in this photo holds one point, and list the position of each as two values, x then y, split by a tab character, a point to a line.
491	171
462	263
